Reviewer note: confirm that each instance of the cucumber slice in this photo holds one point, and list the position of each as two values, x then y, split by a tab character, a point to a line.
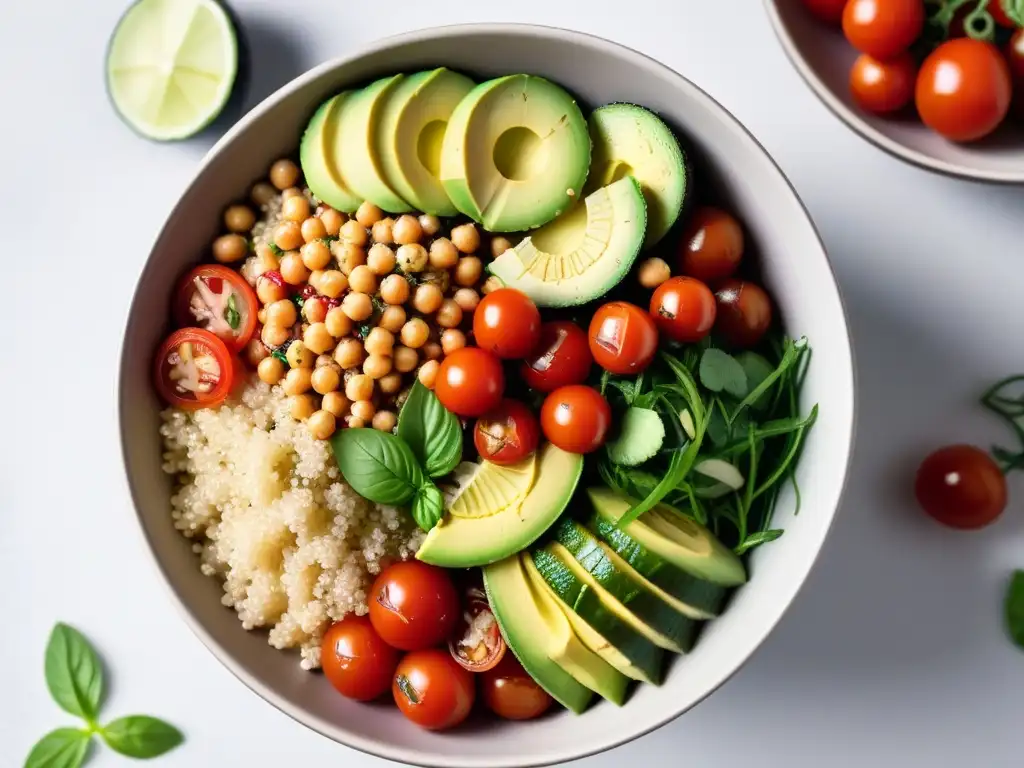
172	66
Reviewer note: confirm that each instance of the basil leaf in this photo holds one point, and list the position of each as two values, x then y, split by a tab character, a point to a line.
62	748
720	371
141	736
1015	608
379	466
428	506
74	674
431	430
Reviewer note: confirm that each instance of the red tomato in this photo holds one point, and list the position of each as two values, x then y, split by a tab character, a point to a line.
576	418
194	369
1015	56
413	605
562	356
683	309
218	300
829	11
883	28
356	661
507	434
882	87
478	645
712	245
511	693
744	312
999	15
623	338
961	486
432	690
964	89
507	323
470	382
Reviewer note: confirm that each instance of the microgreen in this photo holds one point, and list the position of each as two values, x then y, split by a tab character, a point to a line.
1006	399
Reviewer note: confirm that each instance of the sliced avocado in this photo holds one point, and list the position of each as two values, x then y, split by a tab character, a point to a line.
467	542
597	624
358	161
316	155
671	535
515	154
410	132
581	255
530	631
493	488
640	437
633	141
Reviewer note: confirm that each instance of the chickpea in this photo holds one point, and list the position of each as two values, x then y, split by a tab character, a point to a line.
491	284
325	360
297	381
394	289
322	424
315	275
499	245
288	194
332	221
318	338
282	313
325	379
468	271
312	229
412	258
405	359
428	298
255	352
430	224
358	306
362	280
336	403
377	366
316	255
438	277
432	351
354	232
415	333
299	355
392	319
332	284
293	270
466	237
261	316
407	230
449	315
267	258
363	410
369	214
295	209
288	236
349	256
381	259
230	248
315	310
275	335
349	353
379	342
262	193
390	383
385	421
443	254
239	218
383	231
428	373
353	423
359	387
301	406
451	340
270	370
653	272
337	322
284	174
467	299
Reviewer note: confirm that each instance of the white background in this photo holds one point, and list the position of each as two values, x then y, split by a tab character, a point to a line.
894	654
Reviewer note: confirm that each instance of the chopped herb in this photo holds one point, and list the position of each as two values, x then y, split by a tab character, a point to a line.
231	313
280	354
275	249
298	301
328	239
363	330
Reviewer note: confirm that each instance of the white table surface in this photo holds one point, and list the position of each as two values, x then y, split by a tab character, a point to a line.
893	655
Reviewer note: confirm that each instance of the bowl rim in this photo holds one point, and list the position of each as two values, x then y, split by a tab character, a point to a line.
865	130
296	713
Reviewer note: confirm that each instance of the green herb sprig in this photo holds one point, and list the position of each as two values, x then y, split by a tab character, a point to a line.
74	677
1014	608
1006	400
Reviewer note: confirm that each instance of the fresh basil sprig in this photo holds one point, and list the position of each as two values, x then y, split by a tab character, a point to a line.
431	430
74	676
428	506
379	466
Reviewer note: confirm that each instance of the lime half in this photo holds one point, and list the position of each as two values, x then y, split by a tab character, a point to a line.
171	66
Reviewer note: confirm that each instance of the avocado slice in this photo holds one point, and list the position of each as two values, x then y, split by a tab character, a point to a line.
316	155
583	254
631	140
674	537
410	132
515	154
481	537
358	160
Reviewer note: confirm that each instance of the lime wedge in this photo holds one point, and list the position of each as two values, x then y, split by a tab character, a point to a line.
171	66
494	488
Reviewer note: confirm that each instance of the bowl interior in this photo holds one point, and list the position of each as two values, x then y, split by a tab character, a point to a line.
824	58
730	167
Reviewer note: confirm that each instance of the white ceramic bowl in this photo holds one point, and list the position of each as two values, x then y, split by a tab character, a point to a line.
823	57
730	167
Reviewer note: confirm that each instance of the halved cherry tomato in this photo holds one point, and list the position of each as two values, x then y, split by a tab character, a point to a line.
576	418
507	323
623	338
432	690
684	309
356	661
961	486
561	357
194	369
744	312
470	382
883	28
477	645
506	434
219	300
413	605
882	87
510	692
712	245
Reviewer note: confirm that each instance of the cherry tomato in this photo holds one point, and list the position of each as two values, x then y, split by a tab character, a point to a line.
510	692
562	356
964	89
961	486
218	300
470	382
194	369
478	645
1015	56
576	418
883	28
413	605
744	312
882	87
829	11
623	338
999	15
356	661
683	309
507	323
507	434
712	245
432	690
